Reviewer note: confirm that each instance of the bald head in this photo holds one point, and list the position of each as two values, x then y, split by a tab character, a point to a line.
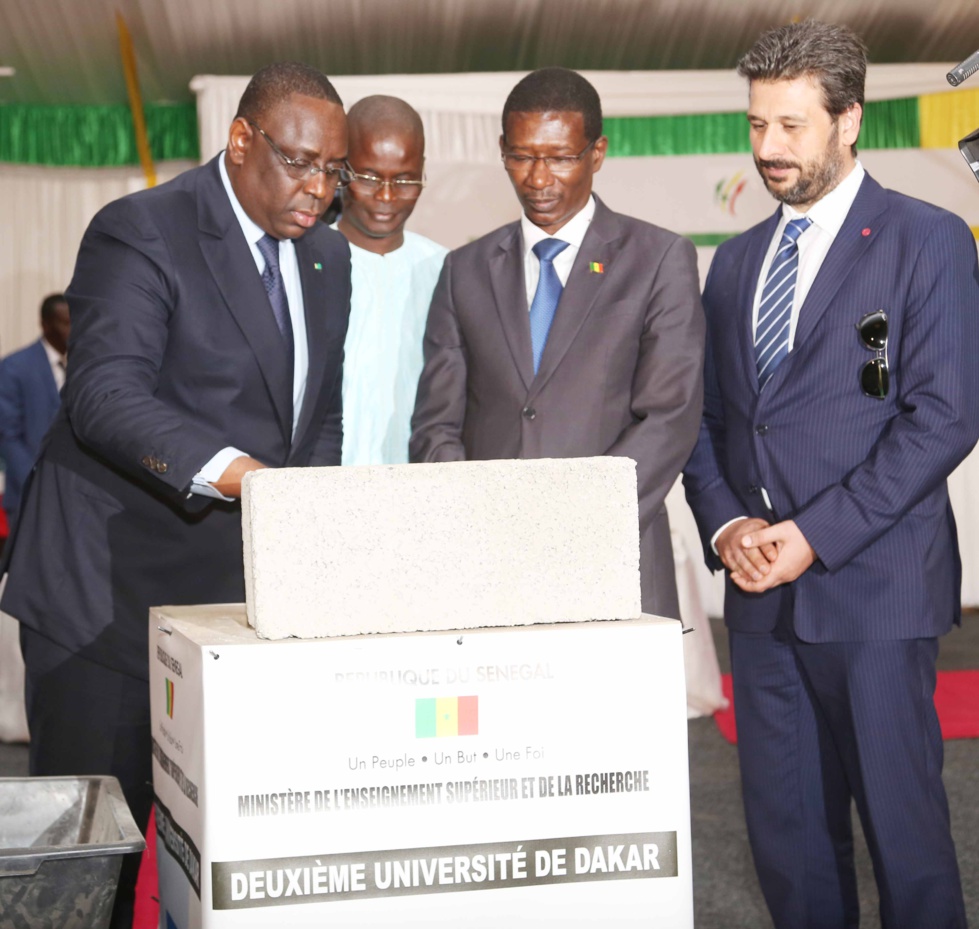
382	116
387	152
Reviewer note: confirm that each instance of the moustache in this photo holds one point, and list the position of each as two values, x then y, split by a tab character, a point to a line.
782	165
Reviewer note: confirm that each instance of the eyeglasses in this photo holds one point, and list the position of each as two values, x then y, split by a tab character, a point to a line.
337	175
874	379
556	164
400	188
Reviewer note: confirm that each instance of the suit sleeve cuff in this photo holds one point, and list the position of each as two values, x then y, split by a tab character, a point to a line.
212	471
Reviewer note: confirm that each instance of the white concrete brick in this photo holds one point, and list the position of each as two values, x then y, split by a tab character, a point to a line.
402	548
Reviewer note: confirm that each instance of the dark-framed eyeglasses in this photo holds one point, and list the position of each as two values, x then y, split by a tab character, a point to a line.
339	174
401	188
556	164
874	377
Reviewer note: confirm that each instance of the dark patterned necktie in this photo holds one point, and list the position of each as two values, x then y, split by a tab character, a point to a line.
775	309
276	289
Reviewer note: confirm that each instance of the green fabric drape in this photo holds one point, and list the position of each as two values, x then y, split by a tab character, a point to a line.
891	124
94	136
701	134
102	136
886	124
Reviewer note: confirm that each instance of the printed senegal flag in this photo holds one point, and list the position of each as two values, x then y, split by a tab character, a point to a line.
445	716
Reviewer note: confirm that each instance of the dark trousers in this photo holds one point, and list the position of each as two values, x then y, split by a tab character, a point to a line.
822	726
85	718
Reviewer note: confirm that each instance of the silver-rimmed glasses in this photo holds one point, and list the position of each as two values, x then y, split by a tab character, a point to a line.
339	174
401	188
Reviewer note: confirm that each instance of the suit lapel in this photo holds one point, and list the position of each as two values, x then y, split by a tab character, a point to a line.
510	294
849	246
231	263
319	283
582	290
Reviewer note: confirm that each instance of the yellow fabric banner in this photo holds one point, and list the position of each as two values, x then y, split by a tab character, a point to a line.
945	118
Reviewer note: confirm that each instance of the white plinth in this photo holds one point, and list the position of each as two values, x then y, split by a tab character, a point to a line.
313	783
399	548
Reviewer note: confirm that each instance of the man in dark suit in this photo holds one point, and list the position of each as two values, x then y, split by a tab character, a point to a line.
620	370
208	321
30	380
840	392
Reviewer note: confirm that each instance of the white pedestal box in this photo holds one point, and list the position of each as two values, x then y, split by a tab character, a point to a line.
486	778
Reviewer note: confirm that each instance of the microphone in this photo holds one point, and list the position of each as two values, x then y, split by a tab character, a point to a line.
965	70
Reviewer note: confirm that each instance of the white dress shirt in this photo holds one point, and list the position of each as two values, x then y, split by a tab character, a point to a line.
572	232
828	215
57	362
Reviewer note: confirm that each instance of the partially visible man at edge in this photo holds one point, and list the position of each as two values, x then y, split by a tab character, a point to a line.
840	393
575	331
208	319
30	385
393	272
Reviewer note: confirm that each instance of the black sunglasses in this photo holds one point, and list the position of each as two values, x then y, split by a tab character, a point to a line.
874	379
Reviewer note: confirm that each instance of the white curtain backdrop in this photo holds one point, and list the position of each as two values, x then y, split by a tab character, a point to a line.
476	100
45	213
47	209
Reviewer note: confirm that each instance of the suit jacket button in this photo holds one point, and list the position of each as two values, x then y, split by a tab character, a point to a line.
528	412
753	489
146	461
761	430
161	467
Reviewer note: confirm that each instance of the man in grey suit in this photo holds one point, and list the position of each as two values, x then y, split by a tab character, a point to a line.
573	332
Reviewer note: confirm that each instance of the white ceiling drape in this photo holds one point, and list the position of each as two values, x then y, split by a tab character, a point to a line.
461	112
65	51
45	213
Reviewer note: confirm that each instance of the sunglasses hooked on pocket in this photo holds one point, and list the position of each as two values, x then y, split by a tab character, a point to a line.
874	376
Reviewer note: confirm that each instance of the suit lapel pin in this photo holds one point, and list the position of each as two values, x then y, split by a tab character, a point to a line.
318	265
596	267
865	232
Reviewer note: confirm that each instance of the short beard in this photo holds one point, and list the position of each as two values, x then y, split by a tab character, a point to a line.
815	179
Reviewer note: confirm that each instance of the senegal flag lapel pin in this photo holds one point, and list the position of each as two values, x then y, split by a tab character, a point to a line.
596	267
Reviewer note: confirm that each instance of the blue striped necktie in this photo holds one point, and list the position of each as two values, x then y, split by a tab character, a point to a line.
547	295
775	308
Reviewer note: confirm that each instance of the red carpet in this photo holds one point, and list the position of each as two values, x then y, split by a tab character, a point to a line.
146	913
956	699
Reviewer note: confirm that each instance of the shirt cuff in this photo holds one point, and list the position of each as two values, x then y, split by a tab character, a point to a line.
212	471
713	538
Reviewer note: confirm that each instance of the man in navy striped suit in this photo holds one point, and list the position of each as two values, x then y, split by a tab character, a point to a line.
841	390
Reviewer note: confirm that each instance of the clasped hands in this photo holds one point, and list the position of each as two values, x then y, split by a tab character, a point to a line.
761	556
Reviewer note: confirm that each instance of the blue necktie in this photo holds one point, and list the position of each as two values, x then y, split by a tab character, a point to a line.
775	309
276	289
546	298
